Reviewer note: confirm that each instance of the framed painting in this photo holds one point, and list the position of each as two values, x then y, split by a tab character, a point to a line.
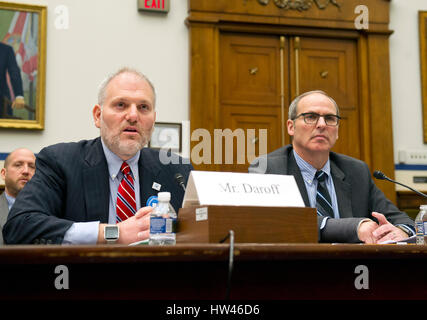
22	65
167	135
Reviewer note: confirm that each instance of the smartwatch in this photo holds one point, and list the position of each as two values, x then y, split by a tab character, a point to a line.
111	233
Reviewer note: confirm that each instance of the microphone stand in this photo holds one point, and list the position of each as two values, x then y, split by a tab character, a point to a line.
381	176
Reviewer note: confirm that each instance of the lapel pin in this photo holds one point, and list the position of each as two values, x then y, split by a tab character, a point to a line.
156	186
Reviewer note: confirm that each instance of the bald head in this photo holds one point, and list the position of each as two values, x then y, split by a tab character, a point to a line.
102	91
293	107
19	168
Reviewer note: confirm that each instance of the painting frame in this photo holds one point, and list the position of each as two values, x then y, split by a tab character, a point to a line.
171	131
422	20
34	105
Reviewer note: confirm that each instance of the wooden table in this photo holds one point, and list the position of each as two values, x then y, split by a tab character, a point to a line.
200	271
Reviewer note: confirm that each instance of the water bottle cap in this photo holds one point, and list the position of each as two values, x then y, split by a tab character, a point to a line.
164	196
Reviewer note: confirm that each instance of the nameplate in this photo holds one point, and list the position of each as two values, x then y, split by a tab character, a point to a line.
241	189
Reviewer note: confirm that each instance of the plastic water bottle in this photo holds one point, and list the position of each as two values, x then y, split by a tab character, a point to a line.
163	221
421	225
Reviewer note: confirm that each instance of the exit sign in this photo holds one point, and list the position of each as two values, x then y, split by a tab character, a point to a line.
153	5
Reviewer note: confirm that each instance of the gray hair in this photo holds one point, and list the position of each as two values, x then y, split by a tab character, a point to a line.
103	86
294	104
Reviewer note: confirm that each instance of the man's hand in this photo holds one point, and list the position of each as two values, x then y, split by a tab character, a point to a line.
370	232
386	231
136	228
18	103
366	230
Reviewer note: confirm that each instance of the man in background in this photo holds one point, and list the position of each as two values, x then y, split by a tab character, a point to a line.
18	169
350	207
96	191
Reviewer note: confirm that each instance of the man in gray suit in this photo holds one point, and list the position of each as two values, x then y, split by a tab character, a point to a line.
19	168
350	207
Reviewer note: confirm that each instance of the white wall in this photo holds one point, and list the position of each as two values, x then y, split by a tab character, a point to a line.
104	35
405	75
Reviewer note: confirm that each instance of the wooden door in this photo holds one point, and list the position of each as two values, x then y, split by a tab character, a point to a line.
330	65
254	78
250	90
211	22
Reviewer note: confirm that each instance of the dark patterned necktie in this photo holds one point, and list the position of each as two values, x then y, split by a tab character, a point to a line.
323	199
126	204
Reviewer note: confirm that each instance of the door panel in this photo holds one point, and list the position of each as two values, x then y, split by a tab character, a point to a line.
250	71
250	89
250	92
331	65
255	119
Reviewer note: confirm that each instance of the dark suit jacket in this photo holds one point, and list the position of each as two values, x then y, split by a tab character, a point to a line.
357	194
8	64
71	185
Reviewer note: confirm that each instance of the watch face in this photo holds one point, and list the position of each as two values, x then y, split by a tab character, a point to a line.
111	232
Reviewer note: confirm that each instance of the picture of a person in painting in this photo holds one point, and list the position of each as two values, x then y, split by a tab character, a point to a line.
9	70
18	64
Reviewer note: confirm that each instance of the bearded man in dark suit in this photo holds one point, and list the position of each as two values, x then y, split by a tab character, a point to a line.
73	195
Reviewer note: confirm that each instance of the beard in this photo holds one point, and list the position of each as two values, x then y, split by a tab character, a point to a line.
124	148
14	186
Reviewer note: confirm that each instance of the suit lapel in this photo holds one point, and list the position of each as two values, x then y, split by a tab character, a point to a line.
342	190
95	183
149	171
294	170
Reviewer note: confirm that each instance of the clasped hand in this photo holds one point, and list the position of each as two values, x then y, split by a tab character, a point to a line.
371	232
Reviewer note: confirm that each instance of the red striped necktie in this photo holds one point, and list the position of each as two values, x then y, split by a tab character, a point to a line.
126	204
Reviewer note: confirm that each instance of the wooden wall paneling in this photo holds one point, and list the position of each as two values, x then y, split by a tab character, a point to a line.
331	17
294	46
286	86
204	83
364	97
380	111
286	30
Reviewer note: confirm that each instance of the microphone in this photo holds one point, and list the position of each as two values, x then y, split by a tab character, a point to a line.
180	180
381	176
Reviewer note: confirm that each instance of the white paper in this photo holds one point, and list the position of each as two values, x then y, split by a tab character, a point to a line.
142	242
241	189
411	239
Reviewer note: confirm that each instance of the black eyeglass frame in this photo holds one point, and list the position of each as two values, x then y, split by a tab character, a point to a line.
318	117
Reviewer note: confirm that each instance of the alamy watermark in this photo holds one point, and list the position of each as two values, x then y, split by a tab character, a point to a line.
223	142
362	280
362	20
62	281
62	17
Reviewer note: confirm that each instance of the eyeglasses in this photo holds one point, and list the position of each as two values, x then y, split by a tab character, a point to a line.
312	118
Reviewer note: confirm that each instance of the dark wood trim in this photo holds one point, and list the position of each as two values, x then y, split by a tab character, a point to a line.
200	272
